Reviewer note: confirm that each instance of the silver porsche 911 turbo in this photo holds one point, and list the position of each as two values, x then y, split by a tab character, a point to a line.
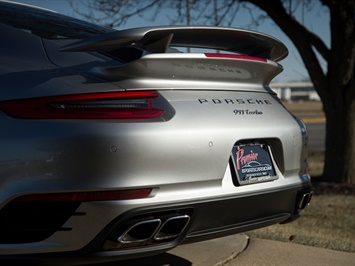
115	144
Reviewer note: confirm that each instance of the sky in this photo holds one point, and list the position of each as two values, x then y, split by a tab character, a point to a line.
316	19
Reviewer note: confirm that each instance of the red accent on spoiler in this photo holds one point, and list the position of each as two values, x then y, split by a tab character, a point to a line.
236	56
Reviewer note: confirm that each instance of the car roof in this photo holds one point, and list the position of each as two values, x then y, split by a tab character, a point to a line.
46	23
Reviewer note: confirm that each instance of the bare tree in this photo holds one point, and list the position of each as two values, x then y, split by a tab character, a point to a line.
335	85
114	13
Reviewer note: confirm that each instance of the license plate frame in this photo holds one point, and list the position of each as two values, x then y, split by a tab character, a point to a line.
253	163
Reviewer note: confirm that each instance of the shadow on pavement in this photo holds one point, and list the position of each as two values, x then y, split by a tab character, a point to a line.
164	259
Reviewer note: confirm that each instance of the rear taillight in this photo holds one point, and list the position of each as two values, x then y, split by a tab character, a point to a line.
105	105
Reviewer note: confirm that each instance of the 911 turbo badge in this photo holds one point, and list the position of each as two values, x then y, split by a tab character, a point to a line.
247	112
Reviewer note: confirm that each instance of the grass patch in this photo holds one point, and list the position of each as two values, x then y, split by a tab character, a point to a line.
315	163
328	223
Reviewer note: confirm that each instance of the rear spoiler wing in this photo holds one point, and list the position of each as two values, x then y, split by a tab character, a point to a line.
158	39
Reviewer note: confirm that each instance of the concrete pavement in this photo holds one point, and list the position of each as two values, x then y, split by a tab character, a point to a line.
239	250
207	253
214	252
268	252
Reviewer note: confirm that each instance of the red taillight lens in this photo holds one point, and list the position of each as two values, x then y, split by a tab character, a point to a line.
105	105
87	196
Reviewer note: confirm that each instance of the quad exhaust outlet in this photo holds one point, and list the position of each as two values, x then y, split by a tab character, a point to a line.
156	229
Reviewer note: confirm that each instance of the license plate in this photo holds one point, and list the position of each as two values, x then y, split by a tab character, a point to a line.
253	164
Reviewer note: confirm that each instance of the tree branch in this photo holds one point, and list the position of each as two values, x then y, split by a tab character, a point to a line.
301	37
117	12
342	41
318	43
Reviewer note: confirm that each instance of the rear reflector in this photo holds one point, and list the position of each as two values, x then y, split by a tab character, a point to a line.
236	56
87	196
105	105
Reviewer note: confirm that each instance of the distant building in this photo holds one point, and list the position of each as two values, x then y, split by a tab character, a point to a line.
295	91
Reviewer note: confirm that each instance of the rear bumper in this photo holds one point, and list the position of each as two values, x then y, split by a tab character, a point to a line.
236	215
223	216
209	218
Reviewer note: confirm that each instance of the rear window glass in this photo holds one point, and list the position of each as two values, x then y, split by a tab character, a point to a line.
47	24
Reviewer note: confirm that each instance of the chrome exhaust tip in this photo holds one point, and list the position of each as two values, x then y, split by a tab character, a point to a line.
172	227
149	228
140	231
304	201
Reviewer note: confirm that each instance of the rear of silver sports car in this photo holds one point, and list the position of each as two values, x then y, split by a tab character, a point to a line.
107	158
